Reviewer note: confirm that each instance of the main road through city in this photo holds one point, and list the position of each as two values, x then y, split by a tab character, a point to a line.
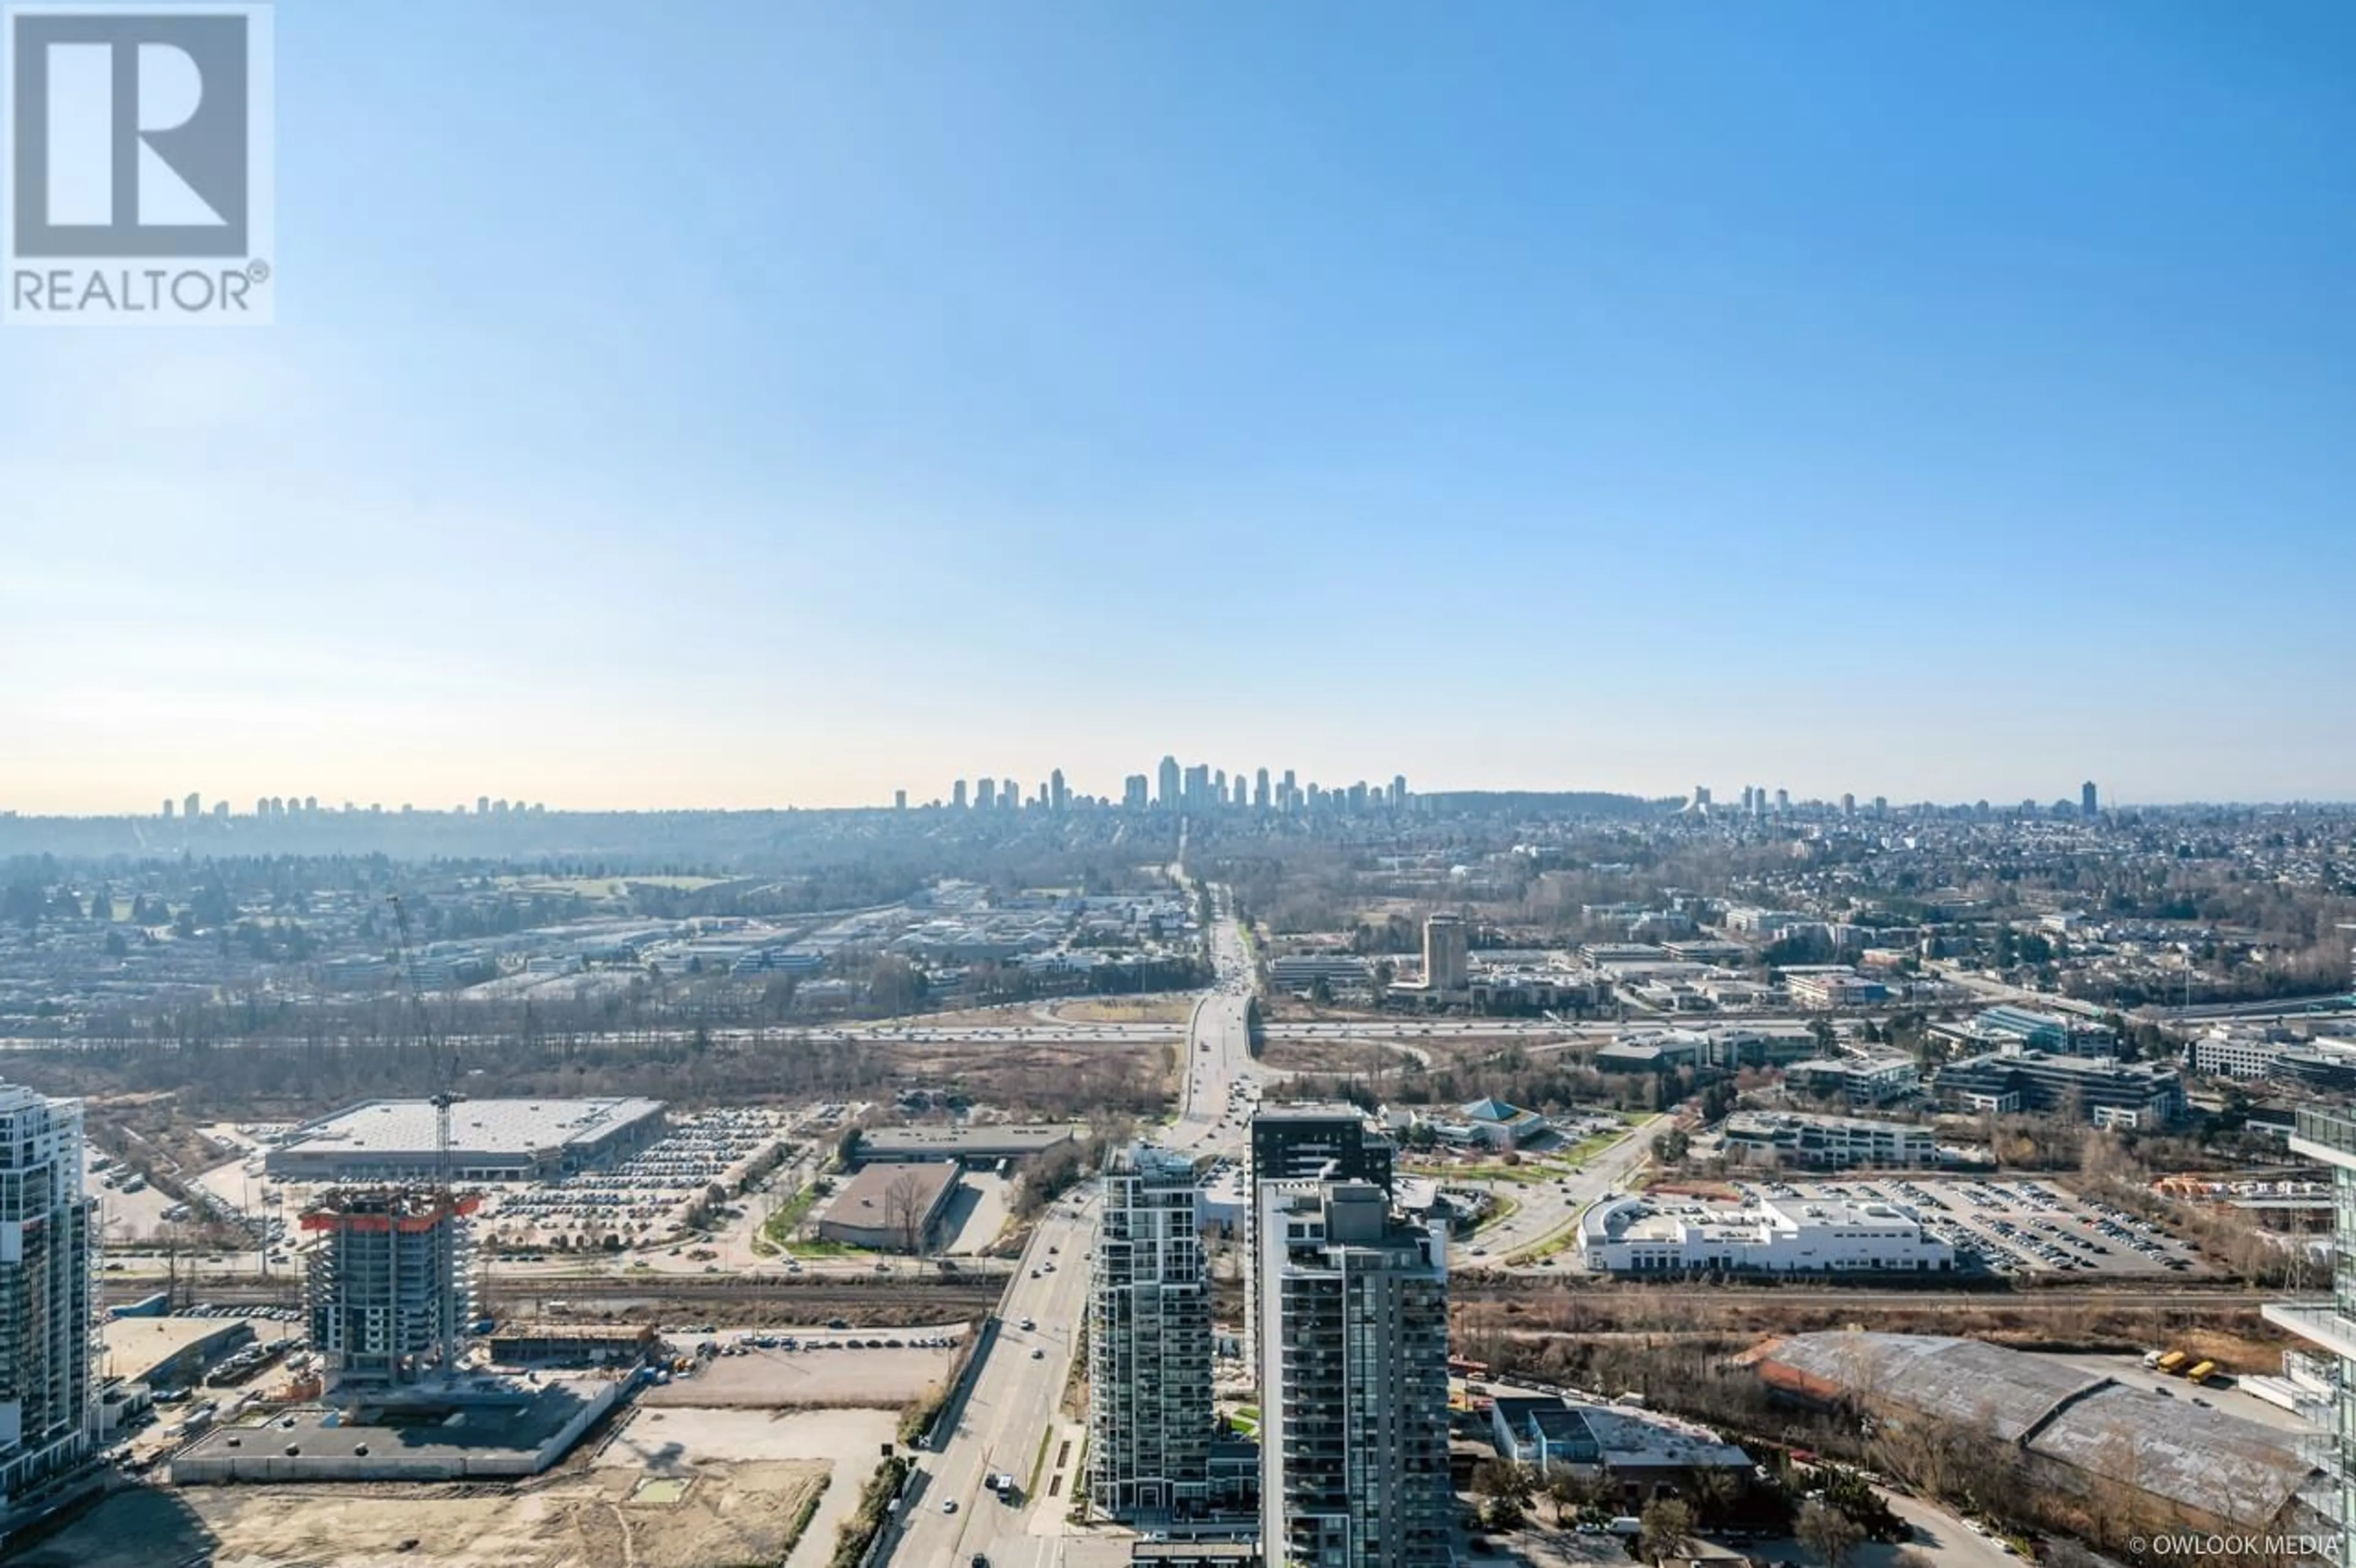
1218	1050
1017	1390
1009	1412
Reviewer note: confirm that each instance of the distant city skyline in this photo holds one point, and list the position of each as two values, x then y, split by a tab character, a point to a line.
1562	396
1135	791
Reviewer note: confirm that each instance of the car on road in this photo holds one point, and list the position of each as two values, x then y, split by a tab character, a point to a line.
1038	1353
948	1505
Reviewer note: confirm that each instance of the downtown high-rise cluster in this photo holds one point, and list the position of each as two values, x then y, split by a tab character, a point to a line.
1197	788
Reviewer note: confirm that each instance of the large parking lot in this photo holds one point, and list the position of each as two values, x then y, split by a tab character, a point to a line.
2014	1225
773	1371
640	1199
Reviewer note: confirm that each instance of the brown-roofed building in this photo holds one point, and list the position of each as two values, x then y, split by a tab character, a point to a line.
892	1206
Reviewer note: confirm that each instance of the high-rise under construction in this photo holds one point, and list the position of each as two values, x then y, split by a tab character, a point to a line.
389	1283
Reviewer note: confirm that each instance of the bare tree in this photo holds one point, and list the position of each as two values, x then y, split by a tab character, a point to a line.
907	1209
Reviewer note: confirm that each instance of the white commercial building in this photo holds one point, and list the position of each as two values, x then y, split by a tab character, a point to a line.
2245	1051
1638	1235
1823	988
45	1293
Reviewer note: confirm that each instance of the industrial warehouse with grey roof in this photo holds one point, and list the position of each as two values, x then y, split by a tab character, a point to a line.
490	1140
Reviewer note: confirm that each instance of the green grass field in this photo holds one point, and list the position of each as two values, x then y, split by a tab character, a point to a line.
777	1230
827	1250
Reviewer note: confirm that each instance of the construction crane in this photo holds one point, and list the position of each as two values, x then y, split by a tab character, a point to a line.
444	1065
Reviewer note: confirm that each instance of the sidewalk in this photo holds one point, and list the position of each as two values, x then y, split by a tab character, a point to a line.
1050	1502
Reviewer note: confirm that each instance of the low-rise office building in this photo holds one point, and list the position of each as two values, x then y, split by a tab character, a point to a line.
1665	1050
2104	1091
1828	988
969	1144
2251	1052
1860	1079
2056	1032
1793	1139
1300	972
1636	1454
1768	1045
2237	1050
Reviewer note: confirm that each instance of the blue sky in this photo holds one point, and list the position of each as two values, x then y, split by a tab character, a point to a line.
744	404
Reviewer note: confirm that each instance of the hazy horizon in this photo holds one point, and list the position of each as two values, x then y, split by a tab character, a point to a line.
1726	800
748	406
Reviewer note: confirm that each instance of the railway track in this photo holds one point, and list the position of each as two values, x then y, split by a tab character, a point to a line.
951	1295
960	1293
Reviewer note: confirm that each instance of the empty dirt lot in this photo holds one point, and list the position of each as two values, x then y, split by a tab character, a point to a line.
724	1515
671	1488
